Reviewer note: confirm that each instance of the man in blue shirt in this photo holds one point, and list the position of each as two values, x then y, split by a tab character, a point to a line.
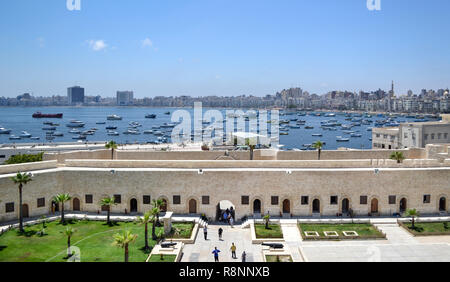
216	254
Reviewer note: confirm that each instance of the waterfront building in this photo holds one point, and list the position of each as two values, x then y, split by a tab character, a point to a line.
75	95
412	135
124	98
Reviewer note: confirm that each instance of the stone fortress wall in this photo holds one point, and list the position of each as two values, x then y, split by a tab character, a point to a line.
290	183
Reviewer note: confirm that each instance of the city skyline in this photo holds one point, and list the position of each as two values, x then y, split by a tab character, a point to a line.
206	48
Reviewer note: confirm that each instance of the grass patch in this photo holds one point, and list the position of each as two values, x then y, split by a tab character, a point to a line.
165	258
272	258
181	230
93	238
427	228
365	231
274	231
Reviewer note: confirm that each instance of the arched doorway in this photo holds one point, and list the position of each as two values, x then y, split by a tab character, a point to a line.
76	204
345	205
164	205
133	205
442	204
316	206
286	206
403	205
192	206
257	206
374	205
25	211
222	208
54	207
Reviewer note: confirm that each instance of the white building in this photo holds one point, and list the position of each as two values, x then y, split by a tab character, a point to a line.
124	98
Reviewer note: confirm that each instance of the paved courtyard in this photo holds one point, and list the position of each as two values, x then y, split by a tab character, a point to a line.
400	245
201	250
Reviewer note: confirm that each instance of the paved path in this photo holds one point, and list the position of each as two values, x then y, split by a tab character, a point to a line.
201	250
396	234
292	240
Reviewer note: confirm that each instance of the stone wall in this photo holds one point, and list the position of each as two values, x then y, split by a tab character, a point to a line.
232	184
26	167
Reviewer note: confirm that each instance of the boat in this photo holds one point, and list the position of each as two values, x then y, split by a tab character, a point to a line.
113	133
4	130
100	122
79	137
75	131
41	115
49	128
309	127
75	125
132	132
25	135
150	116
167	113
356	135
340	139
317	135
148	131
114	117
35	138
58	134
13	137
111	127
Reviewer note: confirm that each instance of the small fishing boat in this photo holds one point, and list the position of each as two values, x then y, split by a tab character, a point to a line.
152	116
25	135
114	117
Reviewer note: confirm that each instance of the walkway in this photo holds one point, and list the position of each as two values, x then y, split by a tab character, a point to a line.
293	240
241	237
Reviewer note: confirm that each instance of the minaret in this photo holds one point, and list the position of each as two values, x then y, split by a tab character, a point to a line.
391	94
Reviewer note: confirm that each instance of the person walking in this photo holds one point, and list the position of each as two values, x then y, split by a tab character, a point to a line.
205	231
231	221
233	251
220	233
244	256
216	254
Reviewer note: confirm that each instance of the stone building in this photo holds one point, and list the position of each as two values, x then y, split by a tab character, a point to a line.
279	183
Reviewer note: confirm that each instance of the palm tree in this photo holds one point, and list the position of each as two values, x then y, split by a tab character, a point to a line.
21	179
69	233
318	145
251	146
413	213
158	204
267	220
62	198
123	240
154	215
108	201
111	145
145	221
398	156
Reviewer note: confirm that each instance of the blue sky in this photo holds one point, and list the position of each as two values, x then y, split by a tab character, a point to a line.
222	47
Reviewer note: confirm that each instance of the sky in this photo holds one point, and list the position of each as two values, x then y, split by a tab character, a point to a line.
222	47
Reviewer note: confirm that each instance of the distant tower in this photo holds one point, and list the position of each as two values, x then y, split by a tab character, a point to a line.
391	94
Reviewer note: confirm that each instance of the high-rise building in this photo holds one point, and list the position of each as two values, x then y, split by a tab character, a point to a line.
75	95
124	98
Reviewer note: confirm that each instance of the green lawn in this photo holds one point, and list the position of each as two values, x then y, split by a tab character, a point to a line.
365	231
93	238
181	230
274	231
428	228
166	258
272	258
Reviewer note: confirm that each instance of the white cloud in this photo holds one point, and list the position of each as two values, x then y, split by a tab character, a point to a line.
97	45
147	42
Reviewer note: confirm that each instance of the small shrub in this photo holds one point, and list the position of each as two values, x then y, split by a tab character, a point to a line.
24	158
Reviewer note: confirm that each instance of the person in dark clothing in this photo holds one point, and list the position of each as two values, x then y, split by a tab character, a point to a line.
205	232
216	254
220	233
244	256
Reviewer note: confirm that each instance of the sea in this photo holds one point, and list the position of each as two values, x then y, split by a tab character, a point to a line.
19	119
